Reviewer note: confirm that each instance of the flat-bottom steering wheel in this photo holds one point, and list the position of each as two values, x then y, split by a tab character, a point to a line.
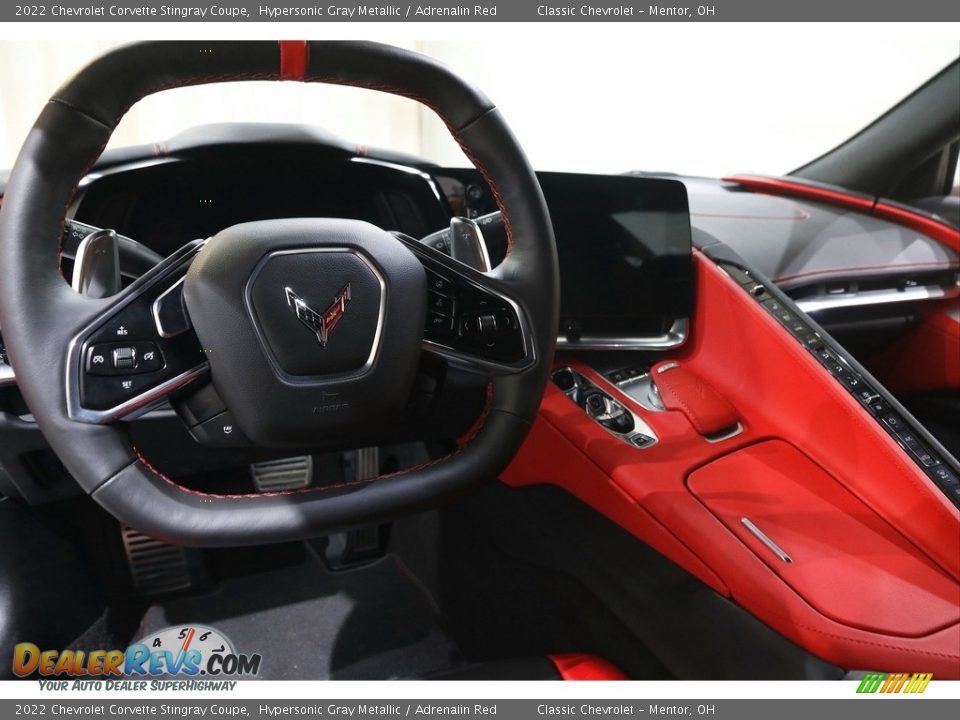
311	331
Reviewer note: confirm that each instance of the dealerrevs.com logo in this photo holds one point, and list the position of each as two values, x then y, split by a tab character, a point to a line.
190	650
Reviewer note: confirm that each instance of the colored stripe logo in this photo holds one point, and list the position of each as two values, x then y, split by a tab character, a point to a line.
894	683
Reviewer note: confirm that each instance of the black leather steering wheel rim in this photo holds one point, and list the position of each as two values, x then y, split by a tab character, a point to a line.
39	312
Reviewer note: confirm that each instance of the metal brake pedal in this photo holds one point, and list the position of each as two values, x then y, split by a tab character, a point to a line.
362	545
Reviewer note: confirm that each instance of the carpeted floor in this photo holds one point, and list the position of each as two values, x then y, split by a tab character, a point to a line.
376	622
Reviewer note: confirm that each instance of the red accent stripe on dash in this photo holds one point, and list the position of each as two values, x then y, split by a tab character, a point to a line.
776	186
293	59
929	226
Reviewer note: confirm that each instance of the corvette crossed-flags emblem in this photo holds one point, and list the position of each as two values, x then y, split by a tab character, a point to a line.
321	323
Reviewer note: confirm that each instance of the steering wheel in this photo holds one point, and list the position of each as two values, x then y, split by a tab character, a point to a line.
310	331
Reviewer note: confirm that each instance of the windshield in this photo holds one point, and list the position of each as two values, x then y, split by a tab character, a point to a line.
760	99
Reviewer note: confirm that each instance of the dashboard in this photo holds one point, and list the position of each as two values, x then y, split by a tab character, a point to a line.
624	242
840	266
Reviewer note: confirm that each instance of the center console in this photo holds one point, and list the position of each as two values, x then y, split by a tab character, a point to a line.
779	473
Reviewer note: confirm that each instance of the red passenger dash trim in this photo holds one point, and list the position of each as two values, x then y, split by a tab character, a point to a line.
776	186
929	226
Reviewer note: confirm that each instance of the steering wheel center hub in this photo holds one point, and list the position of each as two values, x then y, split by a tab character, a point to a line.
309	325
318	311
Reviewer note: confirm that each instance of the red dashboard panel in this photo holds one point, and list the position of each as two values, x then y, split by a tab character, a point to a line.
927	358
780	392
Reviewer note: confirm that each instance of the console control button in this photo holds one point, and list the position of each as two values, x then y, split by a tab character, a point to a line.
909	439
925	458
851	380
893	422
943	476
773	305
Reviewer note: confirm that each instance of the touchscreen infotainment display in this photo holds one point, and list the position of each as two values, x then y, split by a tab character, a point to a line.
624	249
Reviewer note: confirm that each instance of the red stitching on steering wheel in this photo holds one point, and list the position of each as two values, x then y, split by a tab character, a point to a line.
463	441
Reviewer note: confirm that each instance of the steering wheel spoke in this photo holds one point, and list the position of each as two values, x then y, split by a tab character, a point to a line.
137	351
471	320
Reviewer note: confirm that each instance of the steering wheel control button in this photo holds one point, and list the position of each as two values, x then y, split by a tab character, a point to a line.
109	359
438	284
99	360
487	324
121	366
220	431
440	304
124	358
103	393
439	326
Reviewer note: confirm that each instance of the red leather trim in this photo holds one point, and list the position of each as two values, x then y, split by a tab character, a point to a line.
579	666
293	59
939	231
927	358
779	186
706	409
843	555
781	392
